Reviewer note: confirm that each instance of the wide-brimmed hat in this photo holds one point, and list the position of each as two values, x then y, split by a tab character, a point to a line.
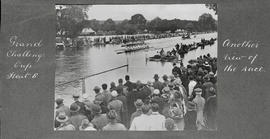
74	107
177	82
62	117
96	109
76	95
138	103
114	93
198	91
156	92
156	76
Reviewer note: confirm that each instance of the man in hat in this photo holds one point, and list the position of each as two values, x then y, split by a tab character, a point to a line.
138	104
120	87
200	102
141	123
165	80
76	97
106	93
116	105
206	87
100	99
99	120
176	70
157	84
156	98
130	86
76	117
61	107
63	119
157	121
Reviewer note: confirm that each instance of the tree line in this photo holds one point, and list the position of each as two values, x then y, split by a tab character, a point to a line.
72	19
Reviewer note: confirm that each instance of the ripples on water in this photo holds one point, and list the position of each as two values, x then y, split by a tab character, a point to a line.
76	63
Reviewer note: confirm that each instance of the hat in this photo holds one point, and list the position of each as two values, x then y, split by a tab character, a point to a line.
149	83
76	95
166	89
96	88
211	73
114	93
156	92
74	107
59	101
96	109
198	90
170	85
62	117
112	114
156	76
172	77
165	76
169	124
85	95
138	103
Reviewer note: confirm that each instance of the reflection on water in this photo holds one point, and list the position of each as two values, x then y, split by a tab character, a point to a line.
76	63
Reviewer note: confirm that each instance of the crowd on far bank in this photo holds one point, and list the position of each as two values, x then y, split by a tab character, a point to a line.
184	100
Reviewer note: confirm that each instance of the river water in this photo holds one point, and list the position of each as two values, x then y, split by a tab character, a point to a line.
73	63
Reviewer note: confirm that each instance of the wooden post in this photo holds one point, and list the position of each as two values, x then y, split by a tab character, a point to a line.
127	65
83	86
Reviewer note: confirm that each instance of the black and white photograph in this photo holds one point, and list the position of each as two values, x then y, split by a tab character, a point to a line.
140	67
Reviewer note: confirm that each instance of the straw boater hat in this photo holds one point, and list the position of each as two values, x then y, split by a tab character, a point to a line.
85	95
62	117
114	93
156	92
198	91
74	107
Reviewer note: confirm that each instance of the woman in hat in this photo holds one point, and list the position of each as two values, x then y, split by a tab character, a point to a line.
99	120
76	117
113	124
62	118
116	105
200	102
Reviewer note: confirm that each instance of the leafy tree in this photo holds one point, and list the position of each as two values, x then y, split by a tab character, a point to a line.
207	22
109	25
190	27
70	20
212	7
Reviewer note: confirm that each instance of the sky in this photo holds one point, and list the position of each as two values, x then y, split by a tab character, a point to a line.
149	11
